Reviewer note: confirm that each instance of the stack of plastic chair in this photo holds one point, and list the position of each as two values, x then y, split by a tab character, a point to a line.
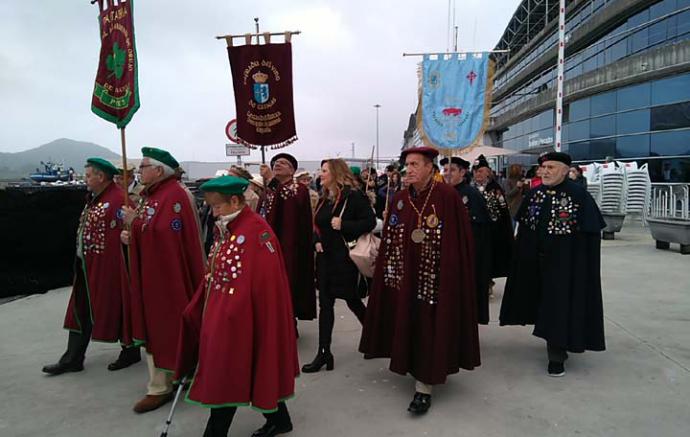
593	175
612	188
639	189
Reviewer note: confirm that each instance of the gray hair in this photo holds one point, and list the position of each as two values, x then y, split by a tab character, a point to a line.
167	170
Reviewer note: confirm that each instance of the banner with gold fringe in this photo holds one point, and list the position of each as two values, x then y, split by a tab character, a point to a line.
262	80
454	100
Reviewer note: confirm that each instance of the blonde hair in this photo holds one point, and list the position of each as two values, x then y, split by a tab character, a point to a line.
341	174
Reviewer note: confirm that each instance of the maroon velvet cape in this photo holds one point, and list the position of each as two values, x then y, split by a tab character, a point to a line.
98	291
287	208
166	265
239	326
422	311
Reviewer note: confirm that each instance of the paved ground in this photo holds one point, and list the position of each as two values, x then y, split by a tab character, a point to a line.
639	387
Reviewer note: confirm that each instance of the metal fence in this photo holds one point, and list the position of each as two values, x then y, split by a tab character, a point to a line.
670	201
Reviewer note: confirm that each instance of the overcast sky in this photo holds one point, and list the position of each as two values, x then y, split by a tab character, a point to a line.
348	58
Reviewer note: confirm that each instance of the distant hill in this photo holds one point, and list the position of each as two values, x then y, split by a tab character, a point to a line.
69	152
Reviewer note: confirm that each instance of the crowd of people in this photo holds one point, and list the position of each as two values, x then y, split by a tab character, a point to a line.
214	296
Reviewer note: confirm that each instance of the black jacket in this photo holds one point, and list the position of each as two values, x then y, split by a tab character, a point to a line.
336	273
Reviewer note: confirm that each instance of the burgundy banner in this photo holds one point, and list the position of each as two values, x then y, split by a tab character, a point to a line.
262	79
116	93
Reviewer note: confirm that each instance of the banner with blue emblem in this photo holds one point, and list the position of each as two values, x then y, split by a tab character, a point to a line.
262	80
454	100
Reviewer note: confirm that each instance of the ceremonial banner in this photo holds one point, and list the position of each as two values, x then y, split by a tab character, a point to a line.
454	100
262	79
116	93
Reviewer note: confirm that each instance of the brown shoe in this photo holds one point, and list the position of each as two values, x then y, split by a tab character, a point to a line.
151	402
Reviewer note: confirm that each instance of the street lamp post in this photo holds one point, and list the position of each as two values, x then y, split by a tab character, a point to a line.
377	106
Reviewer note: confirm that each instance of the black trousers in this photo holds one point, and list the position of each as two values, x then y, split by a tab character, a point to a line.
327	316
220	419
556	354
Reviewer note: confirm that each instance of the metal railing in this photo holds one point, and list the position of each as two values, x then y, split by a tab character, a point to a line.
670	201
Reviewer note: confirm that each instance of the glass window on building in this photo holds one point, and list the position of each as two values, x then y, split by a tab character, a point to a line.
602	126
671	90
578	130
683	22
671	116
603	103
579	109
632	122
661	9
633	97
579	151
602	148
669	170
671	143
632	146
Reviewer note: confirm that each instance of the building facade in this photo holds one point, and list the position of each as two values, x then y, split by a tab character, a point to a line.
627	83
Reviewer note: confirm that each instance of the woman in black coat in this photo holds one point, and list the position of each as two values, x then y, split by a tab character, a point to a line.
342	215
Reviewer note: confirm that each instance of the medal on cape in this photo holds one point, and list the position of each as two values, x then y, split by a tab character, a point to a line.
400	204
177	207
432	220
418	235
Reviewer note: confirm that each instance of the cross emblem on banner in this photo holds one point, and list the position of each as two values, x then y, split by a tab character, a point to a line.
471	77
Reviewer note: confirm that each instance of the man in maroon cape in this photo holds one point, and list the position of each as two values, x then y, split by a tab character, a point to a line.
286	206
422	311
238	335
99	304
166	263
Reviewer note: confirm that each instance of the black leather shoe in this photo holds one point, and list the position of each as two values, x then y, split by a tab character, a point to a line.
271	429
126	359
60	368
420	403
323	358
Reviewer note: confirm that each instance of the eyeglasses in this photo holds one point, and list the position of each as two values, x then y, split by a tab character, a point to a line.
144	166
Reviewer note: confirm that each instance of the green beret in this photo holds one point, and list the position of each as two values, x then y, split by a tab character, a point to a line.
160	155
356	171
103	165
226	185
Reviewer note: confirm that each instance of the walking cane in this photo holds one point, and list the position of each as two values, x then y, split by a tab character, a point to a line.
172	409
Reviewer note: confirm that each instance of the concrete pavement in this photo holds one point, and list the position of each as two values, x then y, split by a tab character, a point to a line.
639	387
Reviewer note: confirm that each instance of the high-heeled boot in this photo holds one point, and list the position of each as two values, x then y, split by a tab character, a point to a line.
323	357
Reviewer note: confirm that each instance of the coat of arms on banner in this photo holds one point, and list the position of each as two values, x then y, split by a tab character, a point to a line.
454	101
262	80
261	92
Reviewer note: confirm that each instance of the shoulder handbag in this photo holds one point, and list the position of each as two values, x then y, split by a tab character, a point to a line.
364	250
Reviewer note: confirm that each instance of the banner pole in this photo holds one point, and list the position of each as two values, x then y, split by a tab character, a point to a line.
124	164
560	69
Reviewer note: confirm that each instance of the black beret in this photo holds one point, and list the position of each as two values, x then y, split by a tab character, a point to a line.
556	156
460	162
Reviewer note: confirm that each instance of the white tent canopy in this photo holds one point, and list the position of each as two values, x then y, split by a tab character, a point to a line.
487	151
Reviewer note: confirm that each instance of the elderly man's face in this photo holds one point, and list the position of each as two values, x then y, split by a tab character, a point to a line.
481	175
283	168
94	179
419	168
553	172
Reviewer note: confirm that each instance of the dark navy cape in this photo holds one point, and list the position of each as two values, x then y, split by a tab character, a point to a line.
555	278
481	231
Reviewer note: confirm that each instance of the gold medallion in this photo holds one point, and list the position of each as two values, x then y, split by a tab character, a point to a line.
418	235
432	221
